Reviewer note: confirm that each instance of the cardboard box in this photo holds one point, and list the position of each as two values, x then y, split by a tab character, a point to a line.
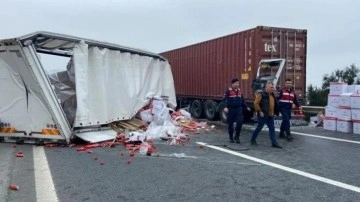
355	101
356	127
350	89
344	126
355	115
330	123
345	100
337	88
330	111
353	89
333	100
343	114
157	106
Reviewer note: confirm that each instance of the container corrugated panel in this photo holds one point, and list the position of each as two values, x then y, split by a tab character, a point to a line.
204	70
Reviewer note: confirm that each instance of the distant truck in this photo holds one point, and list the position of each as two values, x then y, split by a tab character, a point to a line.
103	83
203	71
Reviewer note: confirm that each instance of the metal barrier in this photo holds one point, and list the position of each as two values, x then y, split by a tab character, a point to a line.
313	109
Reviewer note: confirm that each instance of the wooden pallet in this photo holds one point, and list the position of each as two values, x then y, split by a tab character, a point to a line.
132	125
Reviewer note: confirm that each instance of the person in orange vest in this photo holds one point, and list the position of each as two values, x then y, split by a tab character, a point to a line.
286	100
234	105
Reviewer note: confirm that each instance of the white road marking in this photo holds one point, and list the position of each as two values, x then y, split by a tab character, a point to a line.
310	135
285	168
204	160
45	189
323	137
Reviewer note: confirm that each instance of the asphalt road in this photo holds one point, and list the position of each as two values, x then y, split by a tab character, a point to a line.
191	172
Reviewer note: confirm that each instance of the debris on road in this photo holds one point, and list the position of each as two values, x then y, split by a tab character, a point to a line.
155	121
13	187
20	154
52	145
178	155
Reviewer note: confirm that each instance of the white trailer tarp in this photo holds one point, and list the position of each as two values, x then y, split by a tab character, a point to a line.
113	85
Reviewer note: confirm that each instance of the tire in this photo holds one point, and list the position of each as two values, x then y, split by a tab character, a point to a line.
210	110
196	109
222	114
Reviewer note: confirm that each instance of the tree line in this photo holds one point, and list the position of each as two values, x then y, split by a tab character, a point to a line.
317	96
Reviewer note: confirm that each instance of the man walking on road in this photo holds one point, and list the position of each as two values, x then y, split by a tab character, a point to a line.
286	100
266	107
234	105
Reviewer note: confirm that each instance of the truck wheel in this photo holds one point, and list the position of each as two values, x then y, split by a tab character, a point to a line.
222	114
196	109
210	109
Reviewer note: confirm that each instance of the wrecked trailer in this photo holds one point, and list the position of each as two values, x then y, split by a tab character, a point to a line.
103	83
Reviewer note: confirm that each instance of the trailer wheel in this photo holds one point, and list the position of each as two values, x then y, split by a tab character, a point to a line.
210	109
222	114
2	139
196	109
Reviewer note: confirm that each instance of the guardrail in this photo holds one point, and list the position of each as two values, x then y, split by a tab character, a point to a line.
312	109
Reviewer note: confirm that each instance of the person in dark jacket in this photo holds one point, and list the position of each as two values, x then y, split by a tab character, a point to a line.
266	108
286	100
234	105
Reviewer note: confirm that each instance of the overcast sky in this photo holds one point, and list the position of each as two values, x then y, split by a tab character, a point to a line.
160	25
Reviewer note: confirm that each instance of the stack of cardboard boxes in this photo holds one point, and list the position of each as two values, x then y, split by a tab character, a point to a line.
355	111
342	112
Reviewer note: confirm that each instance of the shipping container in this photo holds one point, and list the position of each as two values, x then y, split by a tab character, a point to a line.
203	71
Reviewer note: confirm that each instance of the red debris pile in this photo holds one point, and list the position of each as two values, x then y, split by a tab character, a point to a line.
20	154
13	187
154	122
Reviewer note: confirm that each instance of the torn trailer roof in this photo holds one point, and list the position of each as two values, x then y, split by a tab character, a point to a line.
62	45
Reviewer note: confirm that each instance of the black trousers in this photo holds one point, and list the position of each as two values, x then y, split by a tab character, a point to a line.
235	115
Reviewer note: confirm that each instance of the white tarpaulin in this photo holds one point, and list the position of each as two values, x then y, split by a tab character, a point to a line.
113	85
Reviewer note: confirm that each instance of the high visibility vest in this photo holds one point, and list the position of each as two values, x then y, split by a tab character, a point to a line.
234	93
287	96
